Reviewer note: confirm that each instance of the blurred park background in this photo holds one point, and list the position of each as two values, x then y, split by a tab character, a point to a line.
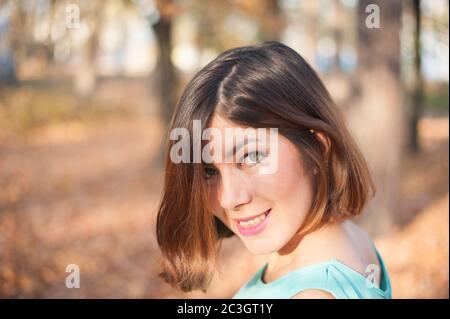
86	91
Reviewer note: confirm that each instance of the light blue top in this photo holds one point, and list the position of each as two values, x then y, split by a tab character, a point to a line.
332	276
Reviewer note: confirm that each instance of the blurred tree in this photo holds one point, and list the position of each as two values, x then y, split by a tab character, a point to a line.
48	45
166	80
272	20
309	11
219	23
29	36
85	78
16	38
210	16
417	103
377	119
269	15
336	24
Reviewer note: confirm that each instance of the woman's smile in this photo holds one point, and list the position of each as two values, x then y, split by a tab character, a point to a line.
253	225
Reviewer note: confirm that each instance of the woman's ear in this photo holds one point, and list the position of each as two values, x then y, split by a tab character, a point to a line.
325	140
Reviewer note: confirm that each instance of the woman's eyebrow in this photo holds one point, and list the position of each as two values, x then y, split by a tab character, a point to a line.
238	146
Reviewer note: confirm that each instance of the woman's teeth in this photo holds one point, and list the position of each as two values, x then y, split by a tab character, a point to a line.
253	222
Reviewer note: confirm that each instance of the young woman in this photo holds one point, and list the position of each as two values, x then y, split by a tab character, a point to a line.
298	214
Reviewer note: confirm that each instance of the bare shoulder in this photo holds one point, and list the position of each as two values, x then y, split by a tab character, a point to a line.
360	252
362	243
313	294
346	243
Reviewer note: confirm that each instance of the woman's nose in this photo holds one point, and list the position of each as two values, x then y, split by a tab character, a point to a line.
234	191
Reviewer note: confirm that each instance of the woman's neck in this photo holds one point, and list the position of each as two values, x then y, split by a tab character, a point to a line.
303	251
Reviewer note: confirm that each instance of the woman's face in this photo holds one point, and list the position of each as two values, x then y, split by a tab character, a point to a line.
238	191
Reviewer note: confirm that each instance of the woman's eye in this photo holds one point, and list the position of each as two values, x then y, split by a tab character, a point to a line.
253	158
209	172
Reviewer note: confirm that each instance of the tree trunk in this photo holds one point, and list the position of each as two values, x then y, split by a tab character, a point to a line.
337	36
272	23
85	78
15	41
417	103
376	117
165	70
310	10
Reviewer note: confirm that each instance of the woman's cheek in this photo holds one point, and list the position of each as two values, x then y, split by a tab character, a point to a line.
213	206
267	185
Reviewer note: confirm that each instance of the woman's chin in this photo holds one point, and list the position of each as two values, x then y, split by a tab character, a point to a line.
259	247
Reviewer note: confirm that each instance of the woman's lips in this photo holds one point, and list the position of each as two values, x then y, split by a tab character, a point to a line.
251	217
247	228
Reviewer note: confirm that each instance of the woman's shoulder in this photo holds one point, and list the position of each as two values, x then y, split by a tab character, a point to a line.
361	251
334	264
347	244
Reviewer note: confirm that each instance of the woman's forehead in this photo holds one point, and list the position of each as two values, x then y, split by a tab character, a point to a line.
227	134
221	122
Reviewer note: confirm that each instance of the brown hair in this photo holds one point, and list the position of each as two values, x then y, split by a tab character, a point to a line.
263	86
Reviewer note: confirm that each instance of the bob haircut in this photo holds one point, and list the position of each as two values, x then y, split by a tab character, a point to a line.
263	86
